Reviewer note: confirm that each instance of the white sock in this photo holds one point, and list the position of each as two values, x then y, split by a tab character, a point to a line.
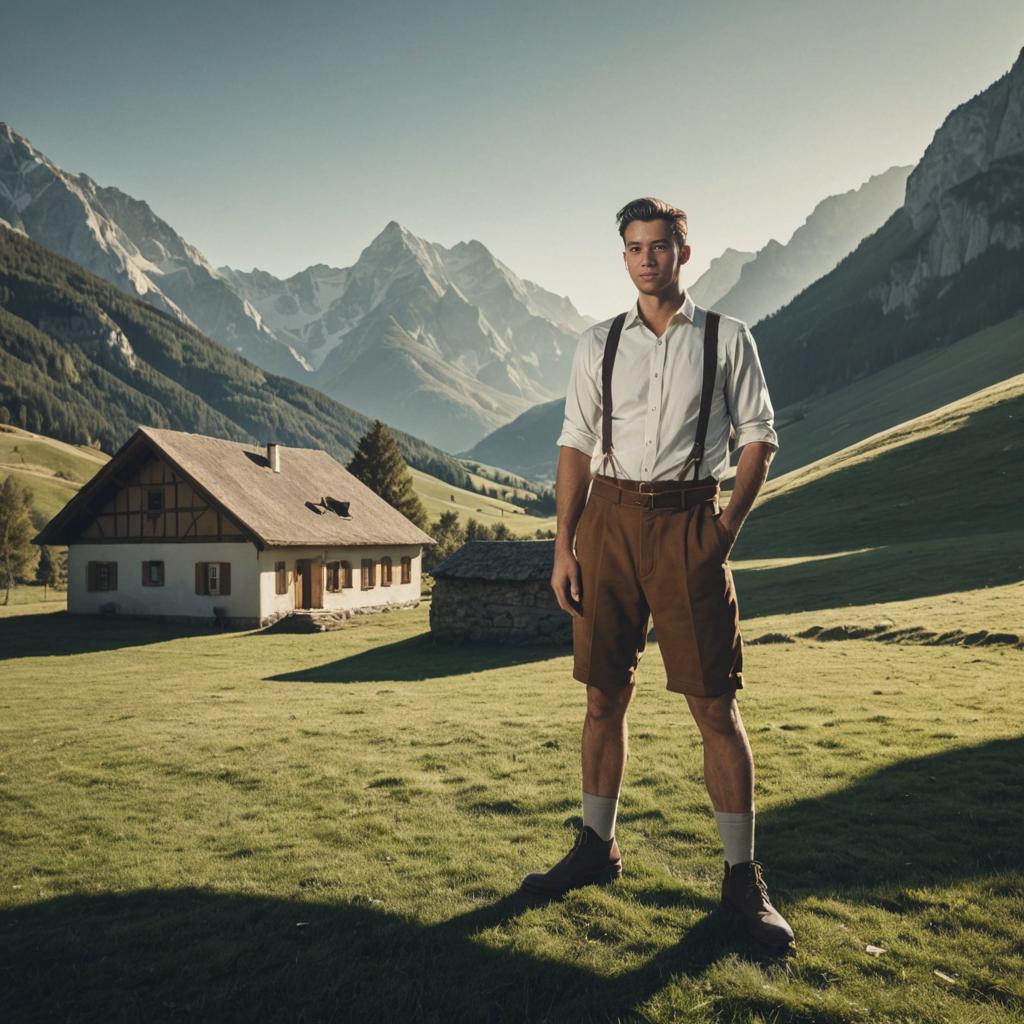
737	832
599	813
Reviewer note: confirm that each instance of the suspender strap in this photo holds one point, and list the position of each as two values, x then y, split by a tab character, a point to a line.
611	346
707	391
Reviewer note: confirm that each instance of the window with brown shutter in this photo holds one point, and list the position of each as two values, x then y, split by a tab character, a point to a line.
346	575
102	576
406	569
367	574
385	572
334	577
152	574
280	577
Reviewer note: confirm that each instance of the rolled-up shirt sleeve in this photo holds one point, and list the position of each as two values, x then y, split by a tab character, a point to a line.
746	392
581	424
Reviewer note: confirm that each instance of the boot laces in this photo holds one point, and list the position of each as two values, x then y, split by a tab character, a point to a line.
755	881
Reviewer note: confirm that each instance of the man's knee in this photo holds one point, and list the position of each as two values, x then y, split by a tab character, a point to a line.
604	706
716	716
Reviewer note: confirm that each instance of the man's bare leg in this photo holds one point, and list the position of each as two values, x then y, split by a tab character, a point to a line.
729	776
594	857
728	760
605	745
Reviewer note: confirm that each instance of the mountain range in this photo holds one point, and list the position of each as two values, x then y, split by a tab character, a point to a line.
82	361
752	285
446	342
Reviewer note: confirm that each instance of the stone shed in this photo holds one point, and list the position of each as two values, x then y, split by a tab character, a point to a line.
498	591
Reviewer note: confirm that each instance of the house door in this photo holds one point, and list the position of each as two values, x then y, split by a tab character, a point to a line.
309	589
302	583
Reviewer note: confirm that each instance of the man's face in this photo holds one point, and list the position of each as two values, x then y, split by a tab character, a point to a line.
653	257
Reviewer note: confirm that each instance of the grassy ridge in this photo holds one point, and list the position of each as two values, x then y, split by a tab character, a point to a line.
911	388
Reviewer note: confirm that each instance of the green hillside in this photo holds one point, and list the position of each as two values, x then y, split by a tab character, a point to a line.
912	387
437	497
81	361
929	507
53	470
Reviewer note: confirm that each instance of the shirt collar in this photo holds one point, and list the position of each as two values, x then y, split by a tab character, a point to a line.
686	311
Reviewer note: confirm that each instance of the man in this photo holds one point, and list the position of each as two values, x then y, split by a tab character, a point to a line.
658	390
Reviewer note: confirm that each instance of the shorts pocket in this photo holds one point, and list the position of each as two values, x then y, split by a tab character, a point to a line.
726	536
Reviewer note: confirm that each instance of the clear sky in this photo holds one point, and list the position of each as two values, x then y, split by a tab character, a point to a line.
279	135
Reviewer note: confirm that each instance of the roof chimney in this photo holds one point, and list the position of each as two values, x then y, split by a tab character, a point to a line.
274	456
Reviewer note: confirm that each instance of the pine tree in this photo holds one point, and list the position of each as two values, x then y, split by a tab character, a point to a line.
17	552
378	463
48	569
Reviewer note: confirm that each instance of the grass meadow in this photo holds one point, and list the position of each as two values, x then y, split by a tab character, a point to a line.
242	826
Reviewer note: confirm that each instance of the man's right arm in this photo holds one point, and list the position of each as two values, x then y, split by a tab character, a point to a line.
571	485
577	442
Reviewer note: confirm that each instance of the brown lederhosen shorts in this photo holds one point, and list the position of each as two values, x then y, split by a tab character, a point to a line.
669	563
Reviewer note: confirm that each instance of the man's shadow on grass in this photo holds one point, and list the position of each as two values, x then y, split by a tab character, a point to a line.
420	658
195	953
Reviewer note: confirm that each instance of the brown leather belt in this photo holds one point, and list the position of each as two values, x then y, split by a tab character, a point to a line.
678	494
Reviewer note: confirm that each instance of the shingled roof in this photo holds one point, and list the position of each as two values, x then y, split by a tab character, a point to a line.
271	507
505	560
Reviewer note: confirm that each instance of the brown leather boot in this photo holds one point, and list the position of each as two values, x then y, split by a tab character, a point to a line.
744	890
592	860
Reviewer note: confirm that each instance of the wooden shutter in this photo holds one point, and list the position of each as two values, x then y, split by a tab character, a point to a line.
385	572
406	569
112	576
200	577
225	579
346	575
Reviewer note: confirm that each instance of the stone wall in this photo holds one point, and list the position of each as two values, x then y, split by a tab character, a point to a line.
498	612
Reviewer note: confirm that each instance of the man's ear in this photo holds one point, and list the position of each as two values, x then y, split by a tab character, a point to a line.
684	254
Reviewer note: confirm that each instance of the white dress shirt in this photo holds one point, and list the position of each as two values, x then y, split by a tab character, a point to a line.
656	396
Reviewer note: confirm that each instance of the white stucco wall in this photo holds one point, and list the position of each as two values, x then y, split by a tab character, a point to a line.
178	594
253	578
350	597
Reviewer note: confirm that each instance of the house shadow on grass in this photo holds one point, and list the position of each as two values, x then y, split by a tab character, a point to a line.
419	658
196	954
58	633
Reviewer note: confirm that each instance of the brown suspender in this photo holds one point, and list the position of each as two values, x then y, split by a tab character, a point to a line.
707	388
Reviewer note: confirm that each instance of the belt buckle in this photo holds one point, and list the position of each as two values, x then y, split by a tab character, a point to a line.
648	495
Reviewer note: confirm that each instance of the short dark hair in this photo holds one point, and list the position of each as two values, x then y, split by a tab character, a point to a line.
650	208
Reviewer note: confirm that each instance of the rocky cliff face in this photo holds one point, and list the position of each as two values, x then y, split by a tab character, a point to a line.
967	192
831	231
